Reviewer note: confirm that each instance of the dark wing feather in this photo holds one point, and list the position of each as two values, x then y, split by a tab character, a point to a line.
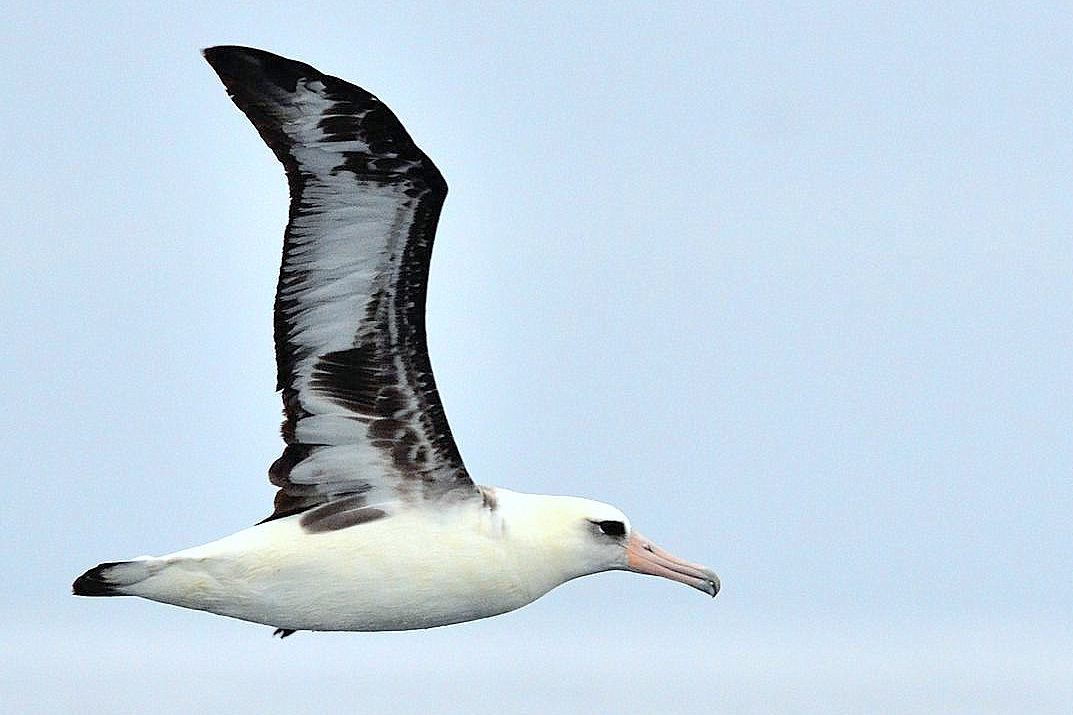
363	419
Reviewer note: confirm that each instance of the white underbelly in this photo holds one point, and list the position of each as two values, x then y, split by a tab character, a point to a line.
395	573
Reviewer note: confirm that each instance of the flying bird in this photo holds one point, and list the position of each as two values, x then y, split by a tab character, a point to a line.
376	524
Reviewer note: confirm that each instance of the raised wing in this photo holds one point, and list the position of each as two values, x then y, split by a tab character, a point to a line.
364	424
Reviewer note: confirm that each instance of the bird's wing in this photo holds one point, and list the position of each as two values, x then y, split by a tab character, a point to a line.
363	420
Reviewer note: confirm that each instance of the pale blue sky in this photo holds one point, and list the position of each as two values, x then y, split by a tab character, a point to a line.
792	285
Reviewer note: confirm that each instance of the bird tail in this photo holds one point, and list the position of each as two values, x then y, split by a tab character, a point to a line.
110	579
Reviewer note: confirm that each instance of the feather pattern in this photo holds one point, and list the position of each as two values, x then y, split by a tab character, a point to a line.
363	420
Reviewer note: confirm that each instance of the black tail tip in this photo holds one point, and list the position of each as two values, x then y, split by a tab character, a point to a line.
94	582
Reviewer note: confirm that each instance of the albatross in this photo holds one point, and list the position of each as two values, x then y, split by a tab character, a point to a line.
376	523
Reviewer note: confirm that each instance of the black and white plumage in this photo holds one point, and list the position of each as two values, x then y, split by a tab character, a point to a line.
352	363
377	525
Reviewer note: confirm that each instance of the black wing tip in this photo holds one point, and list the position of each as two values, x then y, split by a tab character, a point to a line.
237	66
95	583
239	56
220	53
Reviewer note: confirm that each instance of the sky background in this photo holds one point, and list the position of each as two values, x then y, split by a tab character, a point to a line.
790	284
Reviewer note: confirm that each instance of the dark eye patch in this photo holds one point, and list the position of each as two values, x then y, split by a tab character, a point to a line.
612	528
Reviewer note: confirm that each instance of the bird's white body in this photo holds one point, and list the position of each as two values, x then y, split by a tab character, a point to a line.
415	568
377	525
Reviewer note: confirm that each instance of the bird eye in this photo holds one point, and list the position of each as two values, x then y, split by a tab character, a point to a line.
612	528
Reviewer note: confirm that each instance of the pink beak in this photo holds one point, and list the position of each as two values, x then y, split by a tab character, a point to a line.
645	557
